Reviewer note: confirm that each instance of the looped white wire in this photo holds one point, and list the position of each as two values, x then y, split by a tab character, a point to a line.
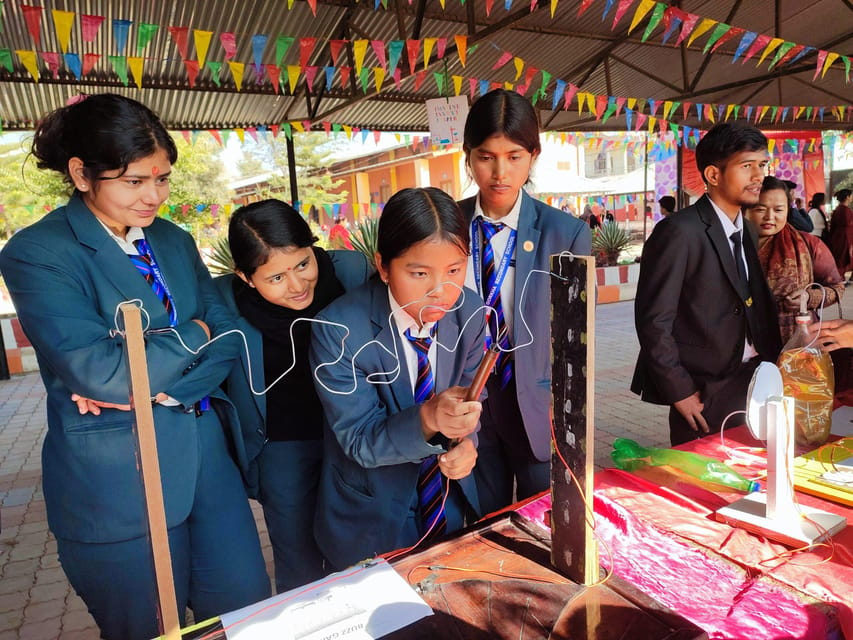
116	331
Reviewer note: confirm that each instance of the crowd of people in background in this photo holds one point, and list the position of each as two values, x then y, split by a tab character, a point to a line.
343	409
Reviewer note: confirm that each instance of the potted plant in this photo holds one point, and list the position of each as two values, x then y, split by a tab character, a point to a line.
365	237
608	241
219	260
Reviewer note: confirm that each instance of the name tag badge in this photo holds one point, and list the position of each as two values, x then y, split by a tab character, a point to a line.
528	246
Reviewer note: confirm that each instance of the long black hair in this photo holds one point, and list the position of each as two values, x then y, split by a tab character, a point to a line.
413	215
106	131
502	112
258	229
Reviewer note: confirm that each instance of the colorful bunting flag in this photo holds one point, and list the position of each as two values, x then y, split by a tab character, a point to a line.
146	33
121	28
229	43
202	43
63	21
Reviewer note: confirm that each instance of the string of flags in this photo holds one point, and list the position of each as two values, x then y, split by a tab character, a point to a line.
669	21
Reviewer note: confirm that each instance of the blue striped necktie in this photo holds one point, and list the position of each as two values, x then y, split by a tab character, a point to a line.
498	327
430	491
148	268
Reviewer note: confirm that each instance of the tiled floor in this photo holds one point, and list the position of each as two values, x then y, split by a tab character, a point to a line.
36	601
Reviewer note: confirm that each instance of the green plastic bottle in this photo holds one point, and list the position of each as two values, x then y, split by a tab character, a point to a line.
629	455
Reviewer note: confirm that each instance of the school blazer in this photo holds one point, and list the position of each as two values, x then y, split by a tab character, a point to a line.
352	270
690	319
67	278
542	232
373	442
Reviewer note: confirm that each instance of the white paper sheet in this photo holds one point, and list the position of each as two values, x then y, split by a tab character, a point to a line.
361	603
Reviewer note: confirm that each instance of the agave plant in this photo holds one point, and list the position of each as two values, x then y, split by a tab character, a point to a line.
610	239
219	261
365	238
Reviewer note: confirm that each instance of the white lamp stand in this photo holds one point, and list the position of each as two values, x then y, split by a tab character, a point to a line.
773	514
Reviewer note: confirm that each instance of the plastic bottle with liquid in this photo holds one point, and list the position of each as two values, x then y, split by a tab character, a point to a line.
808	378
629	455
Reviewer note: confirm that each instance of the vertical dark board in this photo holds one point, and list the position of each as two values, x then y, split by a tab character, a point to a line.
572	314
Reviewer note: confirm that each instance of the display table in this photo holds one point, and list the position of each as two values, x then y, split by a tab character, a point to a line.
676	571
658	532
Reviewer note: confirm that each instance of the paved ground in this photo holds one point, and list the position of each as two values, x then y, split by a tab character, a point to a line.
36	602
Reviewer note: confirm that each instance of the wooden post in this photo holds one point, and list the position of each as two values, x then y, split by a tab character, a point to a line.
140	402
573	548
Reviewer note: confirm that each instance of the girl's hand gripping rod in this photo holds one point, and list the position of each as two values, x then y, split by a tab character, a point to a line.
487	365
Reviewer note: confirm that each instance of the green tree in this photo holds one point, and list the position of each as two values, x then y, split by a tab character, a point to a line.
26	192
312	151
197	182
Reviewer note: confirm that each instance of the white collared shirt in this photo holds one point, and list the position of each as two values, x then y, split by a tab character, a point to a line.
499	242
404	322
126	243
729	228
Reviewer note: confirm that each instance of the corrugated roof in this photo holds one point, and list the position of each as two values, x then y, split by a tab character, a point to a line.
584	50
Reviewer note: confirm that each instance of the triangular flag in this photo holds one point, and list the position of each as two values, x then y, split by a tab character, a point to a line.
335	47
395	50
202	43
89	62
621	10
51	59
378	47
642	9
282	44
781	52
440	47
136	66
345	76
90	25
747	39
759	43
733	32
429	45
519	67
72	61
229	44
439	82
657	14
63	21
378	77
310	76
832	57
180	36
143	37
216	136
461	48
689	21
237	70
293	76
32	16
584	6
457	84
359	50
215	70
701	28
770	48
192	71
120	30
413	47
119	64
420	76
259	43
28	59
363	78
306	48
274	73
330	76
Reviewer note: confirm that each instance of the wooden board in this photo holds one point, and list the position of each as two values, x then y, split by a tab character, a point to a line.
574	549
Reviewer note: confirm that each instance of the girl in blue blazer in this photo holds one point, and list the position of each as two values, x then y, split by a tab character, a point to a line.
392	365
67	275
511	235
282	281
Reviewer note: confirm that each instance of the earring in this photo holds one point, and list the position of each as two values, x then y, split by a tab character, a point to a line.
82	187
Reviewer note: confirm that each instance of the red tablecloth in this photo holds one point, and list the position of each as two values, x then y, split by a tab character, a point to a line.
659	533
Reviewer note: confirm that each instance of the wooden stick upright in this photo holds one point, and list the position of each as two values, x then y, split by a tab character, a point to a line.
140	402
573	547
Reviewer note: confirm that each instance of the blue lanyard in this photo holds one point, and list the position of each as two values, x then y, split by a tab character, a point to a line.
159	276
503	267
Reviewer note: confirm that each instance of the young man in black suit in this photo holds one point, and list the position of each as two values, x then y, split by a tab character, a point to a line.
704	314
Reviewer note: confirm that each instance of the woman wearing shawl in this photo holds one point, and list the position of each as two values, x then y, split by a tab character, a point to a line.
792	260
